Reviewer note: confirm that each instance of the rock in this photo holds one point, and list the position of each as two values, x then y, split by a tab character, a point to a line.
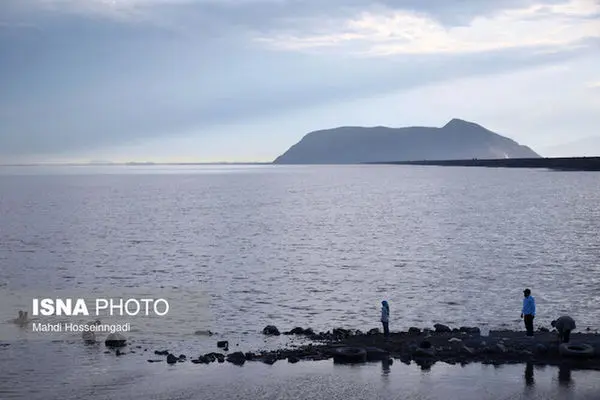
500	348
309	332
182	357
271	330
467	350
376	354
439	328
210	357
171	359
118	353
270	359
374	331
455	340
154	361
414	331
541	349
293	359
236	358
161	353
203	333
250	356
115	340
545	330
425	344
469	330
222	344
297	331
423	352
341	333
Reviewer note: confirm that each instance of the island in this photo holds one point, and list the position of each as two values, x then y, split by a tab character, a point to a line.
457	140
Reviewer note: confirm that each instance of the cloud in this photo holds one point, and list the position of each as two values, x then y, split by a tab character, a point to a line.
594	85
124	71
391	31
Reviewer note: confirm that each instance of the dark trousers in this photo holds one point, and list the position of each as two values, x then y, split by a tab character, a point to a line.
528	318
565	336
386	328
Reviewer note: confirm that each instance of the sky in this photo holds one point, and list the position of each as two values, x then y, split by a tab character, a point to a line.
243	80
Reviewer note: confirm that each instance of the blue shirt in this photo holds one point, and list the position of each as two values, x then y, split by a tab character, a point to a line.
528	305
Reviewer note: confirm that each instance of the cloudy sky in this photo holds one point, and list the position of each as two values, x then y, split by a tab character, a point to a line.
242	80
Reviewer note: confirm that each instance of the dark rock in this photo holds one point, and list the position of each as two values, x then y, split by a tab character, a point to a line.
293	359
425	344
270	359
271	330
118	353
470	330
210	357
250	356
439	328
155	361
341	333
222	344
376	354
161	353
115	340
500	348
171	359
374	331
544	330
309	332
423	352
414	331
541	349
236	358
297	331
182	357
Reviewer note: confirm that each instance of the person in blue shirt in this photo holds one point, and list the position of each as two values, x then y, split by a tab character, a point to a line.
528	311
385	318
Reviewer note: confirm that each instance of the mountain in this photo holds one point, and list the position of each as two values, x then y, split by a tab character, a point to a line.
587	147
457	140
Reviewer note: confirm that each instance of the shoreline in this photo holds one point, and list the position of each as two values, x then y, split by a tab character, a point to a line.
423	347
559	163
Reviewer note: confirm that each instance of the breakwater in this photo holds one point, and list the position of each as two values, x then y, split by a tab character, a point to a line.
562	164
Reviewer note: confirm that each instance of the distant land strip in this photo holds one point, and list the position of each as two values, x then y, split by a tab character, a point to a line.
563	163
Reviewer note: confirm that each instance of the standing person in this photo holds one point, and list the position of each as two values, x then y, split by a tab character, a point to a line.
528	311
564	325
385	318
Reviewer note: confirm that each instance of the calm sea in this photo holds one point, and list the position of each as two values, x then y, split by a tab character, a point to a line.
234	248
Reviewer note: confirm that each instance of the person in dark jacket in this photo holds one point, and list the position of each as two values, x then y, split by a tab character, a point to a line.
528	311
385	318
564	325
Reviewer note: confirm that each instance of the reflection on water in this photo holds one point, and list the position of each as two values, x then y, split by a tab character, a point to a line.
71	370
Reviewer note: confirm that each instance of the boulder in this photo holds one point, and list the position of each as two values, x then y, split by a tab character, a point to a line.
115	340
222	344
271	330
414	331
236	358
297	331
171	359
161	352
439	328
374	331
309	332
425	344
376	354
293	359
470	330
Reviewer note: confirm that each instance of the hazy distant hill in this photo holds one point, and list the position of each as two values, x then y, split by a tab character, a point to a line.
457	139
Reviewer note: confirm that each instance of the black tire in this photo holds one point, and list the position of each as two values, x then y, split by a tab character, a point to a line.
576	350
349	355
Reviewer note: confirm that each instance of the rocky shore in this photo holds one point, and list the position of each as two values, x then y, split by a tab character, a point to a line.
425	347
